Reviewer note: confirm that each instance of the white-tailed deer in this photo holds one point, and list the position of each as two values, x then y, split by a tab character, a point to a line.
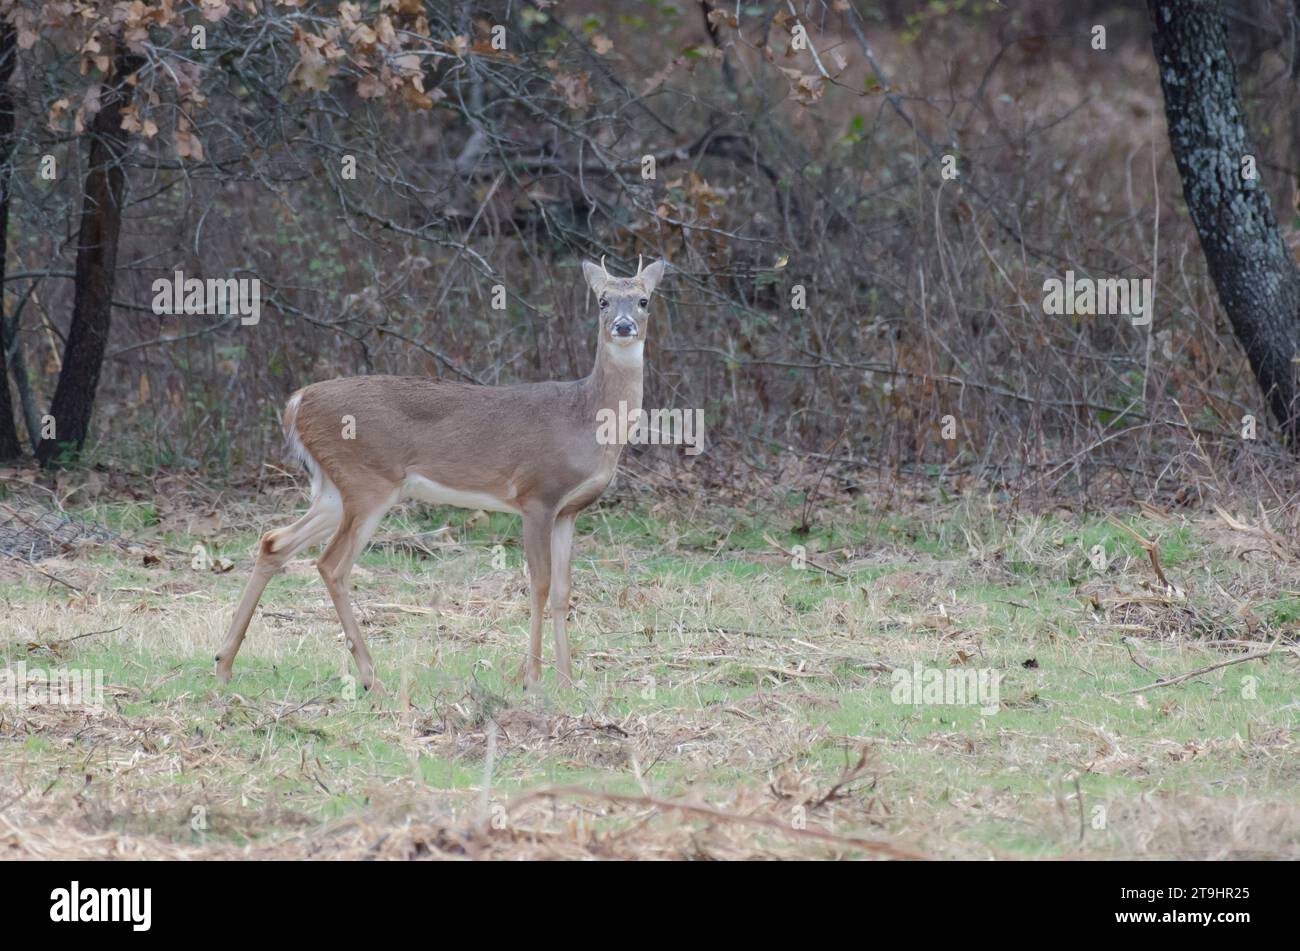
531	449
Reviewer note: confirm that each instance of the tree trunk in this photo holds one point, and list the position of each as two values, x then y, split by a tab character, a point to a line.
1252	269
96	270
10	447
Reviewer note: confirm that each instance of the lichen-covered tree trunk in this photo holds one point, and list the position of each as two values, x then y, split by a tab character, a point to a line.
96	269
10	447
1252	269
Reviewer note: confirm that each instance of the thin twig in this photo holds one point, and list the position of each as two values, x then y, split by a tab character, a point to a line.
28	564
1169	682
779	547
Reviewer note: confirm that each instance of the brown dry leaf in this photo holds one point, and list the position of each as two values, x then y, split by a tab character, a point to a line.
90	105
363	38
370	87
188	145
132	122
57	111
409	65
312	71
214	10
349	14
136	38
659	78
485	48
601	44
131	119
419	99
27	37
807	87
575	88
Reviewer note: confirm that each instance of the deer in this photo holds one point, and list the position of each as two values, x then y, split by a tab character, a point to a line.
532	449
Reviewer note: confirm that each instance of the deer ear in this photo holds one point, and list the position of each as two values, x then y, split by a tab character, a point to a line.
652	275
594	274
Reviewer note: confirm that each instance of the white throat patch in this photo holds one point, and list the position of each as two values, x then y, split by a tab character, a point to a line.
626	354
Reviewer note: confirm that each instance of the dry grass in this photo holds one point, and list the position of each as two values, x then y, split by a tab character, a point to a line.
730	706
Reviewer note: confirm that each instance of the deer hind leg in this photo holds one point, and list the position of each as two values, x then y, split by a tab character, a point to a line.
335	565
538	528
561	577
276	548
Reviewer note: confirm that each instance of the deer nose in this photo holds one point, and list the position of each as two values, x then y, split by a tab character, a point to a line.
624	328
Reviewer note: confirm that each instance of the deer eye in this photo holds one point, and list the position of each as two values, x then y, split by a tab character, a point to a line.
603	303
644	303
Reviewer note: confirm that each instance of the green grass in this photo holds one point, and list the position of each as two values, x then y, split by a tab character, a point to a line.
711	670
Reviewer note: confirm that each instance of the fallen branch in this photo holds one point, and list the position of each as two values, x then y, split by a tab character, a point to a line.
52	577
1134	657
709	812
1152	550
1169	682
849	775
779	547
1277	545
77	637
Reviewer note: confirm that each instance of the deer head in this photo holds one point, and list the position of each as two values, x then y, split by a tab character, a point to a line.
624	301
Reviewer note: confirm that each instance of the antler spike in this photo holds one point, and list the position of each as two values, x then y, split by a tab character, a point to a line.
602	265
638	265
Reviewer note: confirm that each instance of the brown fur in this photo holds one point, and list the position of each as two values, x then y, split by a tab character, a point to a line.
530	448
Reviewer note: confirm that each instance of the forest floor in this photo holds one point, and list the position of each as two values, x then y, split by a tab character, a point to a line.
737	696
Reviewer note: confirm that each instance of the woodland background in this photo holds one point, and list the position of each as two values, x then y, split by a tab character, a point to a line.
775	167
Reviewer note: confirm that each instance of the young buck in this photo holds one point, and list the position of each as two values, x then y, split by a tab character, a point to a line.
531	449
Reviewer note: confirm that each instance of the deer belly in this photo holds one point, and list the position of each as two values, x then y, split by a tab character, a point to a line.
580	496
435	493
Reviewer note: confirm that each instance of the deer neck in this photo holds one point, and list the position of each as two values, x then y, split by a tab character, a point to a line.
616	379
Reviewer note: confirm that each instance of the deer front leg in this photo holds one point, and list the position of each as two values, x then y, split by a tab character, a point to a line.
561	576
538	527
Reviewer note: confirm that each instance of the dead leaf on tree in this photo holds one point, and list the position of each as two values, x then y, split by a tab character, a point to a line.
575	88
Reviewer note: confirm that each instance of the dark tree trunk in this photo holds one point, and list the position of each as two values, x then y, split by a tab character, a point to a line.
10	447
96	270
1255	275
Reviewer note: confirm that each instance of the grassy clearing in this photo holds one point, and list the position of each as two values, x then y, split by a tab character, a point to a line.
715	673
